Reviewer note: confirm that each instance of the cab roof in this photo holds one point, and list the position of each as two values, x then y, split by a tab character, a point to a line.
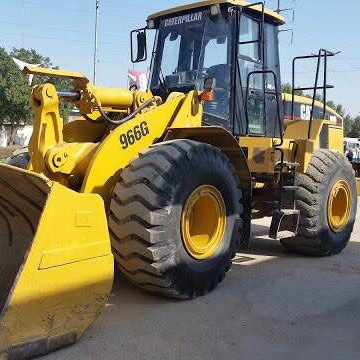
276	17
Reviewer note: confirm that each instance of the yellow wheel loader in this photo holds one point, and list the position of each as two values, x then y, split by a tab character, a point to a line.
166	181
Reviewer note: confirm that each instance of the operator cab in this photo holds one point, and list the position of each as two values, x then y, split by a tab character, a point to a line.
230	44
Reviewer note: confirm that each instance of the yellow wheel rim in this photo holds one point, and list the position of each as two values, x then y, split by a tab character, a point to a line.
339	206
203	222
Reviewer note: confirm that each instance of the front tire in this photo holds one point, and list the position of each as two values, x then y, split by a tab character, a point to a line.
156	243
327	200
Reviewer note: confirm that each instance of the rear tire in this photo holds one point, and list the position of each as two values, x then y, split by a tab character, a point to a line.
145	219
316	235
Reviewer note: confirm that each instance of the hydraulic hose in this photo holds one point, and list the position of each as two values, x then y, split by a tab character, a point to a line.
129	117
76	95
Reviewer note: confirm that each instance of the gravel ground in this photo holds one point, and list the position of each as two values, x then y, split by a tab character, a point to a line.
272	305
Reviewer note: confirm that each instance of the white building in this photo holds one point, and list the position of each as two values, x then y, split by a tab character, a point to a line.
22	135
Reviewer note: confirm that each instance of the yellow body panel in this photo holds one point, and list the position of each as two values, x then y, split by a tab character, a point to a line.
261	155
298	130
110	157
82	130
336	138
305	152
190	113
358	186
59	266
279	19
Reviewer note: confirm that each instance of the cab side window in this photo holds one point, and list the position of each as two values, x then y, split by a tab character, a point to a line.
249	45
272	55
216	63
250	59
250	50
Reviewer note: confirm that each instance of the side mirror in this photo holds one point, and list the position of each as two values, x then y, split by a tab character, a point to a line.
138	45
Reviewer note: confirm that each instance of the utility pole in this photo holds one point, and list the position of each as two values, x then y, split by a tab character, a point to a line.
278	10
23	23
97	5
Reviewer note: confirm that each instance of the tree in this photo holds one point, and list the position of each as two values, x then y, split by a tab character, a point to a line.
340	110
352	126
331	104
14	88
348	122
355	128
14	94
287	89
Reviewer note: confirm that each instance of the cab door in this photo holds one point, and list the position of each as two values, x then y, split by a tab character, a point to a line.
250	60
257	51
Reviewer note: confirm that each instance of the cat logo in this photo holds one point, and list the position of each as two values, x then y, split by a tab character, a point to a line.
179	20
305	112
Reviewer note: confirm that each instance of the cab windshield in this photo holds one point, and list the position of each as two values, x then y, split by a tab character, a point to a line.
190	48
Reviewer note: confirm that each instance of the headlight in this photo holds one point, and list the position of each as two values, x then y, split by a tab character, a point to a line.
215	10
151	24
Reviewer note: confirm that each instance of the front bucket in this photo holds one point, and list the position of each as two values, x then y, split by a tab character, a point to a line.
56	267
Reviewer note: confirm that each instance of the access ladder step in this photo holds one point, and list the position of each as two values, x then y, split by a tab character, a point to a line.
289	165
285	235
284	224
290	212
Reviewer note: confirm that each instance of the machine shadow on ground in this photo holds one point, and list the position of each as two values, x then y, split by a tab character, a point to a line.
261	252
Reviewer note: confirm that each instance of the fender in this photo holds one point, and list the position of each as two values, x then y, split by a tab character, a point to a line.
223	140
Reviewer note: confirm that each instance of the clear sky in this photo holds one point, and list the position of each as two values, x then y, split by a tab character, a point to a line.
63	30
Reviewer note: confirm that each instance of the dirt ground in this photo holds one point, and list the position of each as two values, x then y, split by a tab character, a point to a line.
272	305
